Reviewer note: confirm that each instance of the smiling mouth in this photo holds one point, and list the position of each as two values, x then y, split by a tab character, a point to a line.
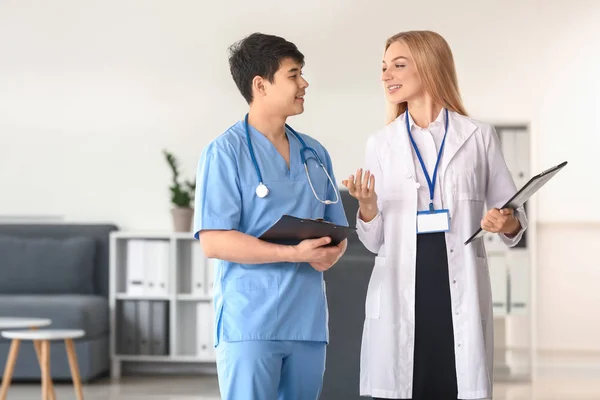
393	88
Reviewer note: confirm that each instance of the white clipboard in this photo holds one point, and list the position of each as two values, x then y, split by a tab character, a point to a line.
525	193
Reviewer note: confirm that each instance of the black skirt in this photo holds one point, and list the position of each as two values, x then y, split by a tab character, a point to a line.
434	376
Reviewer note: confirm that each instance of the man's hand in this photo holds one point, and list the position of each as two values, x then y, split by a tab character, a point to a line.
314	252
501	221
336	254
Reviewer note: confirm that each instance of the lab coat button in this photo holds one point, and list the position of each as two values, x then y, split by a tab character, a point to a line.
454	281
417	185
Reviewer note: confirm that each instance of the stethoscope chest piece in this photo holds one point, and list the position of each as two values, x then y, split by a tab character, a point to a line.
262	190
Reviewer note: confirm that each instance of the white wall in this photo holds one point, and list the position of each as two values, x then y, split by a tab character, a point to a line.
568	298
91	91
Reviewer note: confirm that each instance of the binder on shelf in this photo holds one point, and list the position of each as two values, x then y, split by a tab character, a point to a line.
198	268
210	276
136	258
151	265
187	337
144	326
160	328
158	267
204	324
128	338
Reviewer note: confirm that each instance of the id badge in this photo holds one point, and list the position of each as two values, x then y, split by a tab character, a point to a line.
433	221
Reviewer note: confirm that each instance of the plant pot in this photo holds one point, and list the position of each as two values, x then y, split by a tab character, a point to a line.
182	219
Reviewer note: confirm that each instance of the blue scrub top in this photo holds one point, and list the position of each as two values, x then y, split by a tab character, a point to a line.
275	301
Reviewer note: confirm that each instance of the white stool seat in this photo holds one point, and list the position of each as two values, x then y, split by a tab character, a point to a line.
44	334
21	323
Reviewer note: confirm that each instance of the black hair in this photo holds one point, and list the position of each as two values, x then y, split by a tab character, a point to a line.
259	55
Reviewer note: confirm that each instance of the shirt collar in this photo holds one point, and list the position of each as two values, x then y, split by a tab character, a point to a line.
439	121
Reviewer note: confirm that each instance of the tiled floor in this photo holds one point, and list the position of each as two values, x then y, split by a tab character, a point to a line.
206	388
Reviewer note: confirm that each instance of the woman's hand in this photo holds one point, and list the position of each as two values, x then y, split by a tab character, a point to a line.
362	188
501	221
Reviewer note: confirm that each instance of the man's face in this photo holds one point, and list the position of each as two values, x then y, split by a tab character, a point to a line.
285	95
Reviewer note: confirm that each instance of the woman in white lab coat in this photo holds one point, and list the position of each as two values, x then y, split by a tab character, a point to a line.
432	177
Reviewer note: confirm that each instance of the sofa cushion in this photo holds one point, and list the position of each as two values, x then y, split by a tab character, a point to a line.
89	313
46	265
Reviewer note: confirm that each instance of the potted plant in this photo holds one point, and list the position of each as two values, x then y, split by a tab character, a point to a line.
182	196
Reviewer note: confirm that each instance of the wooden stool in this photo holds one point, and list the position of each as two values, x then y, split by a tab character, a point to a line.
41	340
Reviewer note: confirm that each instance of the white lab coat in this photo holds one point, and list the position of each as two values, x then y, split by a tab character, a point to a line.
474	178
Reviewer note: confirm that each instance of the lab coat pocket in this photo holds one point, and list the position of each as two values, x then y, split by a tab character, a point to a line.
254	305
374	290
469	186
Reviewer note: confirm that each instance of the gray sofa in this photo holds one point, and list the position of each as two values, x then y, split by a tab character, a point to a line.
347	285
61	272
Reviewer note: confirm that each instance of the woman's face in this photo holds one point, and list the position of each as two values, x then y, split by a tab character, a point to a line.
399	74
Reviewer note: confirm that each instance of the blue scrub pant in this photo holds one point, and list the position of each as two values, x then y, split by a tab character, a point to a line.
265	370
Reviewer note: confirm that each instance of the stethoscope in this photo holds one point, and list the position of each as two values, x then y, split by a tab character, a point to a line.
262	190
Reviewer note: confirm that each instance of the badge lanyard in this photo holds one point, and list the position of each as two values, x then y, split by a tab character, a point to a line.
433	220
430	181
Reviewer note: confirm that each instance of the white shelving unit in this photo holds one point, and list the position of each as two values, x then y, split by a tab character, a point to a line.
179	326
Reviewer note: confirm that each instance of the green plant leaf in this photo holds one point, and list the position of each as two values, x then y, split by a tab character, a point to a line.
181	195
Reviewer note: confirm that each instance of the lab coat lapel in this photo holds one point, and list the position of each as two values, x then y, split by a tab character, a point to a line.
460	130
399	143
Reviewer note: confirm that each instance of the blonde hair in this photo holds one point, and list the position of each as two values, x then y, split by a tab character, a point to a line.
435	65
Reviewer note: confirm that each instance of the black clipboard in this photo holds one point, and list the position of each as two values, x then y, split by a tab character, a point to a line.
291	230
526	192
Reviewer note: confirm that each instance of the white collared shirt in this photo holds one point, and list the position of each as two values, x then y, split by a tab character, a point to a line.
429	141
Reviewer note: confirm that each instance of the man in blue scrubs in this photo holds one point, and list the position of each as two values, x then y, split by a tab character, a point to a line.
270	303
